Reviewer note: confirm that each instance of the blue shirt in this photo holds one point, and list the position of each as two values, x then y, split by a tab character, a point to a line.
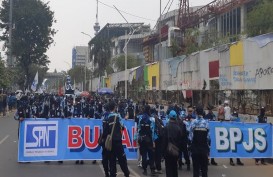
199	122
118	117
152	126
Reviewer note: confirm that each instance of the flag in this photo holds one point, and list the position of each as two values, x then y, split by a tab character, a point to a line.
35	82
43	87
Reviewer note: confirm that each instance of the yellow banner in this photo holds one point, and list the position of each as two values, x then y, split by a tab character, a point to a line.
237	54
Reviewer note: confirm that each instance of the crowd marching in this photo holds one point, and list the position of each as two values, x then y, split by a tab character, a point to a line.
162	134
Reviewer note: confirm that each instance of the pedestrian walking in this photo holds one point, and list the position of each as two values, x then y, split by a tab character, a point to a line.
228	118
199	129
172	138
220	112
105	152
146	140
117	151
159	133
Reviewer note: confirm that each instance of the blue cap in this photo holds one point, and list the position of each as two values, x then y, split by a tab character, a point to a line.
173	114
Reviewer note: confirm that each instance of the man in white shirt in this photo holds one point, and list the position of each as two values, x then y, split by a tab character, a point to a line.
227	111
228	117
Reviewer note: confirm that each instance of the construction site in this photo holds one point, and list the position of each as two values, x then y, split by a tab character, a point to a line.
220	25
195	55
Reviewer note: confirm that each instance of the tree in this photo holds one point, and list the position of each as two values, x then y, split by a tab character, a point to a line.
132	62
260	19
31	36
77	74
190	44
175	48
4	80
101	51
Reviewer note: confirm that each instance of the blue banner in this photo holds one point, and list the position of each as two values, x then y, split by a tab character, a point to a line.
240	140
67	139
57	139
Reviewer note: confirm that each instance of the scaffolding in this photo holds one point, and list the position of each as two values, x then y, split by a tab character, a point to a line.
188	20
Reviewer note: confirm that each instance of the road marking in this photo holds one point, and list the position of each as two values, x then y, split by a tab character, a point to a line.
4	139
132	171
101	169
224	175
225	166
119	173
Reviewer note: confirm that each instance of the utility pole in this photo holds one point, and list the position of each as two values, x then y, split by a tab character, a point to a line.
86	61
10	59
159	53
131	33
125	64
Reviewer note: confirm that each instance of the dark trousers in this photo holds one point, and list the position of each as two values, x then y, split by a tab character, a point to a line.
118	152
237	160
146	150
200	161
185	155
158	154
105	161
257	160
171	166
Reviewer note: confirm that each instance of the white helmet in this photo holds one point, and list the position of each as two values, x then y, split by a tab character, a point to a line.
226	102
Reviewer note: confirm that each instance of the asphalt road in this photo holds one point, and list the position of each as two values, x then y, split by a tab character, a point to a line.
9	167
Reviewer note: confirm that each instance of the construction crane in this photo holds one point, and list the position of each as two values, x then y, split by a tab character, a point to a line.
183	13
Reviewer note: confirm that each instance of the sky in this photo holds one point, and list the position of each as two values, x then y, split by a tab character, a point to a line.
76	16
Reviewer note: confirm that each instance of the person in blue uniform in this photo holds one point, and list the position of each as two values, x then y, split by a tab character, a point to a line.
117	151
105	153
199	129
146	139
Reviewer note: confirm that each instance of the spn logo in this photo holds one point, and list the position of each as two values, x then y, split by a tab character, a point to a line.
41	138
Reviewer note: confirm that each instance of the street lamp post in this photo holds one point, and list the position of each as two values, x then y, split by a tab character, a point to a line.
69	66
126	64
88	53
127	39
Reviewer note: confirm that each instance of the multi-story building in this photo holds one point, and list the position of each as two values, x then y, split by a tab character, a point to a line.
116	33
79	56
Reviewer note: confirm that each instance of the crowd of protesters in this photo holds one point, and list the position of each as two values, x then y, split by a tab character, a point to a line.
184	133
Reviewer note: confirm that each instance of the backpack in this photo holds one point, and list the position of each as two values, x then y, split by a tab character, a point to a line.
159	127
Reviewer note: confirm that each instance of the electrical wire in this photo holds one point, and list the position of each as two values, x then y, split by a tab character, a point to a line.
165	13
168	9
165	7
126	12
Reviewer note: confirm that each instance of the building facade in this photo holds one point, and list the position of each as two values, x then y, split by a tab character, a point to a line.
79	56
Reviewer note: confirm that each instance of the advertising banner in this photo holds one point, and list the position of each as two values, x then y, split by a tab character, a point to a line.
240	140
67	139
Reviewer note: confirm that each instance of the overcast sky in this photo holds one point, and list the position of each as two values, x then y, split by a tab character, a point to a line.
76	16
